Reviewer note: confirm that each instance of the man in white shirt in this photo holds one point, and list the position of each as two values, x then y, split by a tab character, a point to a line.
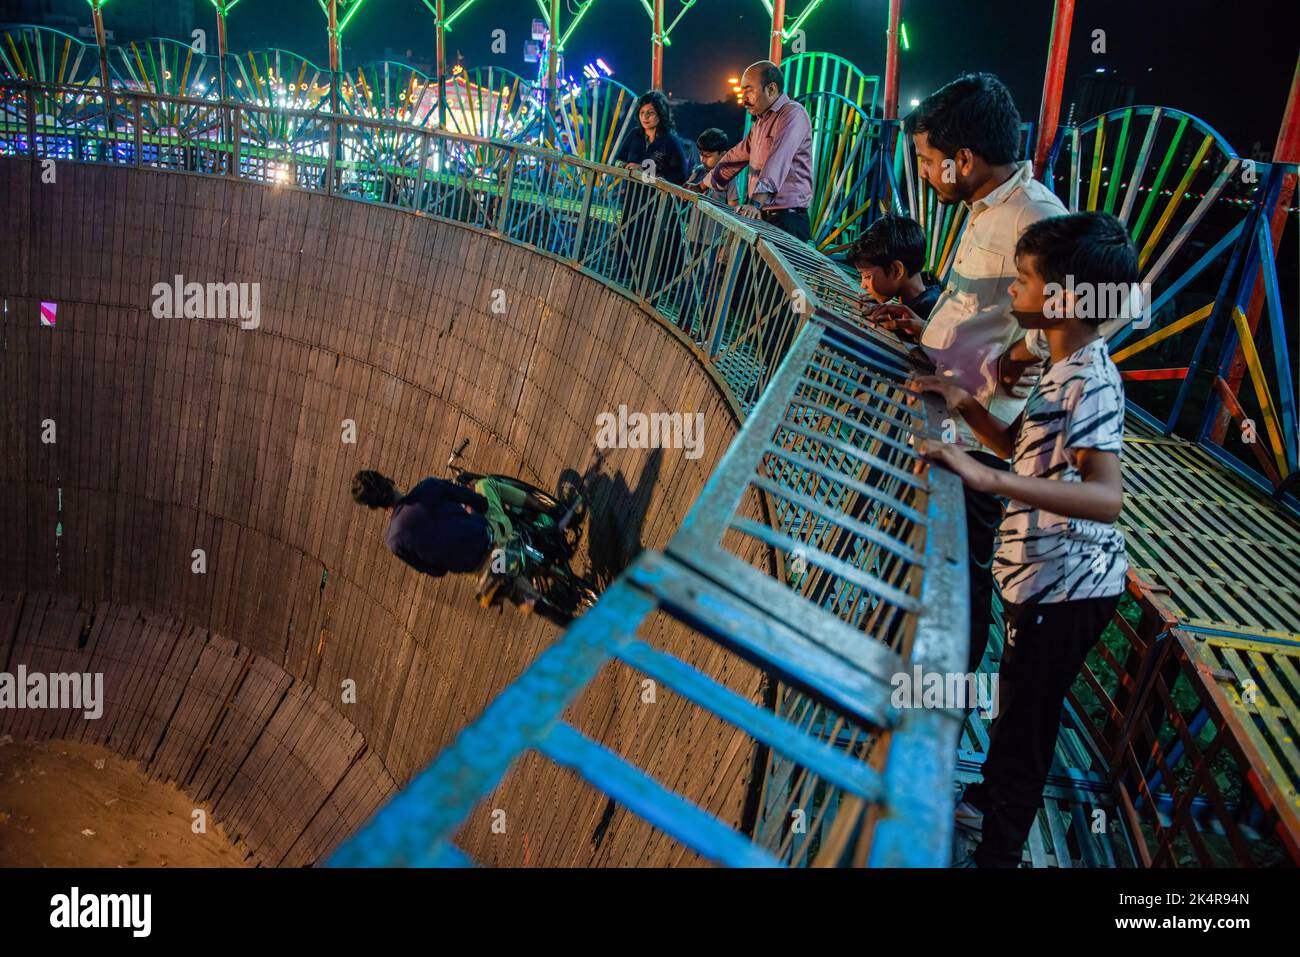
967	139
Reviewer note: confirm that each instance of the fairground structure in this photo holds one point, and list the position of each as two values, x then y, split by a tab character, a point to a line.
822	553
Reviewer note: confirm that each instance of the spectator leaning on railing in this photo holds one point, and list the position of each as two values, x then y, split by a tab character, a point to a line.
654	139
967	139
778	152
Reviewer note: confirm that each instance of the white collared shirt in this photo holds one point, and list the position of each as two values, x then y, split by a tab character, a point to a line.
972	325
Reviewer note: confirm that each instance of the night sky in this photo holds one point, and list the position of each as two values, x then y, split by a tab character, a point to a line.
1230	63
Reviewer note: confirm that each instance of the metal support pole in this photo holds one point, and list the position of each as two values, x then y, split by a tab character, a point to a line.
31	122
334	55
657	50
552	54
139	136
507	186
97	8
236	135
778	28
221	51
331	164
891	59
589	187
221	74
417	201
442	68
1053	82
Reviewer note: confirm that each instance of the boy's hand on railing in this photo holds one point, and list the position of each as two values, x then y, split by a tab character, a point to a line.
975	475
953	395
899	319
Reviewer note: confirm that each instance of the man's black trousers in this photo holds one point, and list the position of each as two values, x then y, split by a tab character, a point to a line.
983	516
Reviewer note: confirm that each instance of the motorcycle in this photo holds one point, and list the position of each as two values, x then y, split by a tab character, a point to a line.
535	565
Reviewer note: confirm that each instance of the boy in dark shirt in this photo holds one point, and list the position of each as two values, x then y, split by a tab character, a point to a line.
712	143
889	257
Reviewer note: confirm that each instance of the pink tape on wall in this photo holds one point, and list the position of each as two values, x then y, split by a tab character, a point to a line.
49	310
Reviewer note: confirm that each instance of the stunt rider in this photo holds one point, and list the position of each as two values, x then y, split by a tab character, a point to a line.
439	526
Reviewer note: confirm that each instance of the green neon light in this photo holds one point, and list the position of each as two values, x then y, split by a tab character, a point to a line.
573	24
459	10
347	18
902	32
224	7
787	34
673	26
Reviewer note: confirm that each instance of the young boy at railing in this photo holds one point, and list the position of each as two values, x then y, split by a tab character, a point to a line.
704	236
1060	560
888	258
712	143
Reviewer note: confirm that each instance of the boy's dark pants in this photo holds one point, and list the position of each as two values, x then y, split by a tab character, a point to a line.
1045	649
983	516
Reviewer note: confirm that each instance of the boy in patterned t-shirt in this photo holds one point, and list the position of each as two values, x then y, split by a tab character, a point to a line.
1060	562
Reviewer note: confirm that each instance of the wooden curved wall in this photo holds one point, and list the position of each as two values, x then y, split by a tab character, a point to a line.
181	434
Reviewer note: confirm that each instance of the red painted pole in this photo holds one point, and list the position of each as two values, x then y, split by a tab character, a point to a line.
1287	150
891	60
333	14
1053	82
105	85
553	54
442	70
657	53
226	124
778	28
1288	137
221	50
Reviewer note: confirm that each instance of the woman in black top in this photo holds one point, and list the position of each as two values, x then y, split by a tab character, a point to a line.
655	140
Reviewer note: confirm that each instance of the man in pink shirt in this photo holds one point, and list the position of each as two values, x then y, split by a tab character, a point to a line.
777	150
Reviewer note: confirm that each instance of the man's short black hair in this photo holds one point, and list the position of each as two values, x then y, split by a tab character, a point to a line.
769	72
974	111
891	238
1092	248
712	140
373	489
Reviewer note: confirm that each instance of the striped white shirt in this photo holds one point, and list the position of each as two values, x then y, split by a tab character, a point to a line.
1043	557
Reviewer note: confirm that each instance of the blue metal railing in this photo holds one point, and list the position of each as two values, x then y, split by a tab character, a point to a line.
900	559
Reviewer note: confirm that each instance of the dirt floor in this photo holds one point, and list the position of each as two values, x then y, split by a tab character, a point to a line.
69	804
